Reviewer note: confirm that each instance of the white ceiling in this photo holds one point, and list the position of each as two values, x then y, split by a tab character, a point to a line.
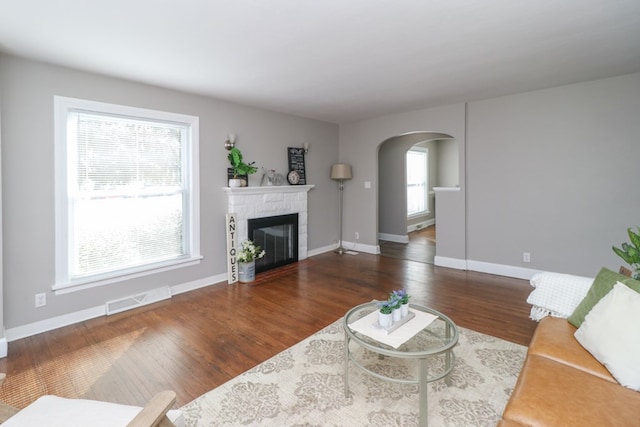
333	60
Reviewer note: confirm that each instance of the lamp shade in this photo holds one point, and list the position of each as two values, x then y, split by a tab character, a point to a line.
341	171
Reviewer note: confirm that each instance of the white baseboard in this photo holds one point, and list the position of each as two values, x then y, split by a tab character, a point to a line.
485	267
197	284
421	225
501	269
321	250
458	264
360	247
398	238
54	323
50	324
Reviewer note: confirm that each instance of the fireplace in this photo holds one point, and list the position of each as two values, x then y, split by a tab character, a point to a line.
278	236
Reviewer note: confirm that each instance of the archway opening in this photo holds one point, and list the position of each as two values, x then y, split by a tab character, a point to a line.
403	231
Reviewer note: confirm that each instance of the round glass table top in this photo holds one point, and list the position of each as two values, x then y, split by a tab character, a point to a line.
437	337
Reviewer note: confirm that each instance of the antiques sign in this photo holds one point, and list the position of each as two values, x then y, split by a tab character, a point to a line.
232	263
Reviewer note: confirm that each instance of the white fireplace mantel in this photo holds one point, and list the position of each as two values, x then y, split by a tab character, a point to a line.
261	202
268	189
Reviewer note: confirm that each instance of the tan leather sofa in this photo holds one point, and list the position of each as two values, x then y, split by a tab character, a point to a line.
561	384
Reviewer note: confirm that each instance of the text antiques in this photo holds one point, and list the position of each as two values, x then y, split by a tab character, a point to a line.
232	263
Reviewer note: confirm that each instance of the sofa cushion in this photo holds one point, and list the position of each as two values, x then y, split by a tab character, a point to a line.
602	284
554	339
609	332
549	393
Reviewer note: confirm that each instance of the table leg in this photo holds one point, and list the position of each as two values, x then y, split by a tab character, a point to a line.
423	383
346	366
448	358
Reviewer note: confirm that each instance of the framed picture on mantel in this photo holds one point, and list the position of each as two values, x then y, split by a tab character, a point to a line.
296	174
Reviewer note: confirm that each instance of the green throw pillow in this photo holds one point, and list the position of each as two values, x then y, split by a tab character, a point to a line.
603	283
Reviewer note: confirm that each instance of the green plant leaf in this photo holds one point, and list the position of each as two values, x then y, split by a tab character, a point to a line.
634	237
622	254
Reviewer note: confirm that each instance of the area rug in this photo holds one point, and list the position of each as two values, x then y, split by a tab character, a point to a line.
304	386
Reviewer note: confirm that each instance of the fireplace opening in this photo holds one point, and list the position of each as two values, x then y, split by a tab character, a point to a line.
278	236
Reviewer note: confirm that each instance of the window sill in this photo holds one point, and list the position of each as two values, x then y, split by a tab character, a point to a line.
101	280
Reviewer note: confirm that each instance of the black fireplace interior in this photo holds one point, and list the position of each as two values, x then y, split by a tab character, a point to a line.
278	236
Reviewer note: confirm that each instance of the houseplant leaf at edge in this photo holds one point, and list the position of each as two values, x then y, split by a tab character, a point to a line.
630	253
238	165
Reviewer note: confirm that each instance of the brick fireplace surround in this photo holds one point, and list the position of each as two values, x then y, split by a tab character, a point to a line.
262	202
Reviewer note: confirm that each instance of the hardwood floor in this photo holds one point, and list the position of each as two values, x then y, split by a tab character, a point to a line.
421	246
199	340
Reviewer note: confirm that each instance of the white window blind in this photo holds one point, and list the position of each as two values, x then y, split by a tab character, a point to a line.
416	182
129	193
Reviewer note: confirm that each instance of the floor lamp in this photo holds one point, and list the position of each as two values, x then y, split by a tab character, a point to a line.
340	172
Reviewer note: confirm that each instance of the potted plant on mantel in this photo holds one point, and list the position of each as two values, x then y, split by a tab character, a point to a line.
240	168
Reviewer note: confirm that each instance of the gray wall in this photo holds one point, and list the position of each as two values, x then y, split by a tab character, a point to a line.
554	173
26	94
551	172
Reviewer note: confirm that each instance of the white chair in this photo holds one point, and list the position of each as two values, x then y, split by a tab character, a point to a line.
53	411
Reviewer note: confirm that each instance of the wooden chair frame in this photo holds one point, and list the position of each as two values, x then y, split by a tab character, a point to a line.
153	414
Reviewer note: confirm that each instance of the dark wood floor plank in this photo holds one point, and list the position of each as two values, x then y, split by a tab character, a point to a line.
201	339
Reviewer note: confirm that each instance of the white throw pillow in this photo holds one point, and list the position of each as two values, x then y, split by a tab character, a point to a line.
610	333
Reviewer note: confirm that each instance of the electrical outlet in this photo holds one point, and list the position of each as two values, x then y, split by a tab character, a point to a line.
41	300
526	257
357	235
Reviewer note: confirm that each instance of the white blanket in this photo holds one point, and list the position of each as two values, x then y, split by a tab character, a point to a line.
557	294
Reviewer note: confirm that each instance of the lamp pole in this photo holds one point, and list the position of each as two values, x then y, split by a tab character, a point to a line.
340	250
340	172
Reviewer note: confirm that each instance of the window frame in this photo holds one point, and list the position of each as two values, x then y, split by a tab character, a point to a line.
64	283
426	210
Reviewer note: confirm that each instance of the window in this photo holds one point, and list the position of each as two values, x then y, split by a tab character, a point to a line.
417	161
127	196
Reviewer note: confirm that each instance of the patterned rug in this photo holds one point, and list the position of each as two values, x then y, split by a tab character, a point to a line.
303	386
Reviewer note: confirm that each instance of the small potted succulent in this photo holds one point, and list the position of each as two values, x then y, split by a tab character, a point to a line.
385	316
396	303
630	253
403	296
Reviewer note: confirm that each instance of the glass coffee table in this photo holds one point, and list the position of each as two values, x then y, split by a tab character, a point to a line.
434	341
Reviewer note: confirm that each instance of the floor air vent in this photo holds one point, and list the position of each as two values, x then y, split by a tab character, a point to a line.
134	301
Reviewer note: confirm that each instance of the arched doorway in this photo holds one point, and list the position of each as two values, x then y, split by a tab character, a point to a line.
395	227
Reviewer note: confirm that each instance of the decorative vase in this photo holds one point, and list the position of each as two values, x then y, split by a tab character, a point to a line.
404	308
385	320
247	271
397	314
234	182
